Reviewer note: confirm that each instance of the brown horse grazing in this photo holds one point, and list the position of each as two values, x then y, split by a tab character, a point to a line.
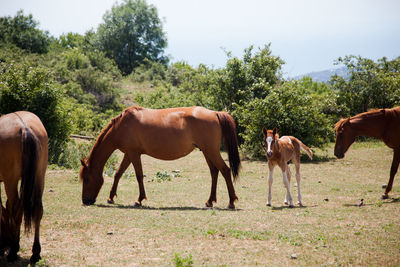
383	124
23	150
279	152
165	134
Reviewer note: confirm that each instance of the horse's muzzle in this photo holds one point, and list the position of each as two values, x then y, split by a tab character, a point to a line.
269	154
87	201
339	155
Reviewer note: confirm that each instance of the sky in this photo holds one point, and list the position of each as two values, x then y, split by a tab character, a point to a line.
309	35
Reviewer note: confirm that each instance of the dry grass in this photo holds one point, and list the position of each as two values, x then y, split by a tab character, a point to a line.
334	232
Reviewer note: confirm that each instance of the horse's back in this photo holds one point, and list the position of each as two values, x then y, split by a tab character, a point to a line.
169	133
12	126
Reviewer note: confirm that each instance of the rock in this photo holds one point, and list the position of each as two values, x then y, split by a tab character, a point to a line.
51	190
326	199
293	256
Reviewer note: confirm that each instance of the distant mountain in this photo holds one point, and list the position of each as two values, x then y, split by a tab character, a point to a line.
325	75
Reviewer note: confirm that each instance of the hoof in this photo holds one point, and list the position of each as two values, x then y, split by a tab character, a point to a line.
35	258
11	257
285	202
137	205
269	204
110	201
291	206
385	196
208	205
231	207
300	204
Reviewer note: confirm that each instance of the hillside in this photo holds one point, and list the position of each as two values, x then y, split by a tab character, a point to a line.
324	75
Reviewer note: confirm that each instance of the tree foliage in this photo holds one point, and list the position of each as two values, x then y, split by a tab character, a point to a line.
131	33
22	31
370	85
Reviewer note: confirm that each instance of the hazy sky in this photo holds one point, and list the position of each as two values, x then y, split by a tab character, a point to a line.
307	35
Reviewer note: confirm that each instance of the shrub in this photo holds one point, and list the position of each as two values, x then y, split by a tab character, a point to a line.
288	107
31	89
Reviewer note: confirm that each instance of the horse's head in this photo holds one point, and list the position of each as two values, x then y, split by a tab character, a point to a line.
345	136
270	137
91	183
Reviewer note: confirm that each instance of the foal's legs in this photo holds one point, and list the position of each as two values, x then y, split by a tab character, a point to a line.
214	179
287	185
137	164
297	166
270	180
393	171
289	177
122	168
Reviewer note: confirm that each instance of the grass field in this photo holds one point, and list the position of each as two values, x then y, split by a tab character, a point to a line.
173	226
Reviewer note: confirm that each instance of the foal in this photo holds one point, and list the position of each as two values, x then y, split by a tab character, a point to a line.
279	151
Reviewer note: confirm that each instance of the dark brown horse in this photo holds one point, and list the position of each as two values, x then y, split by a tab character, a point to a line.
383	124
165	134
23	156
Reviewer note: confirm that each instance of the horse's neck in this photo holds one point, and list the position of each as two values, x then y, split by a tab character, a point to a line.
100	154
372	126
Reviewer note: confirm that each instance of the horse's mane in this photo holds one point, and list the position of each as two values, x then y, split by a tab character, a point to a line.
367	114
114	121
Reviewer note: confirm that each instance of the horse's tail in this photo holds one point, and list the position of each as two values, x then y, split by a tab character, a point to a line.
228	128
28	192
306	149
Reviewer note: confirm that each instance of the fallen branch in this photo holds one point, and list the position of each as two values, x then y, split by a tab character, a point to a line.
81	137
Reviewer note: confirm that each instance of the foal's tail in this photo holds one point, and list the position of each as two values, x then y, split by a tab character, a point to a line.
228	128
30	195
306	149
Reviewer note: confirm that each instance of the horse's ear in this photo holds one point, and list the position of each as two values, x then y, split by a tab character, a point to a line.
264	130
274	131
84	162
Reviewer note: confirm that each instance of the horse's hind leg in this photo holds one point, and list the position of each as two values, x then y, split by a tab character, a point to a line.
214	179
137	164
393	171
220	164
297	166
122	168
289	177
36	248
287	186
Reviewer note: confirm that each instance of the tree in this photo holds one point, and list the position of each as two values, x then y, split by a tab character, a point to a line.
131	33
370	84
22	31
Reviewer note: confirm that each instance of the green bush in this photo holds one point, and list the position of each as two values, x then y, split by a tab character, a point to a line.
31	89
291	109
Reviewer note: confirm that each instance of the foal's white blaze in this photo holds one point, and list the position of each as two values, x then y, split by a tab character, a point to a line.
269	141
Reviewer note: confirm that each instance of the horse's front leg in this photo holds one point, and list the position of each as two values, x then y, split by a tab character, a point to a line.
122	168
137	164
287	185
393	171
270	180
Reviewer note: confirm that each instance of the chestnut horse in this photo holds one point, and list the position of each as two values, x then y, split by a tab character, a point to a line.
24	152
383	124
165	134
280	151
